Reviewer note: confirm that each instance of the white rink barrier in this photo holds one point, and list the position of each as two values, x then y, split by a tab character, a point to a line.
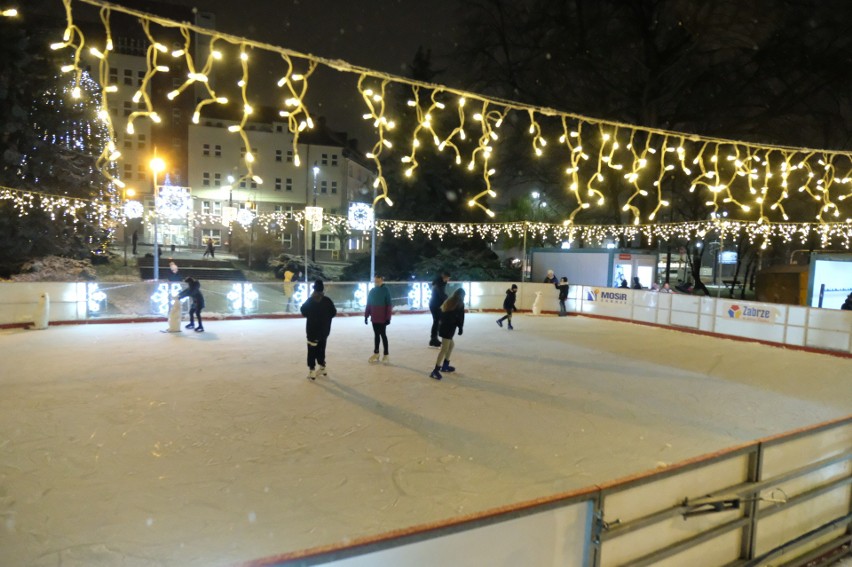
792	325
782	500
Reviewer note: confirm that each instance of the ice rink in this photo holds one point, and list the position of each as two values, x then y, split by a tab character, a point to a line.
124	446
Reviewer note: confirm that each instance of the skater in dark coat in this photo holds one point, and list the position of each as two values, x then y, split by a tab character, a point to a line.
193	292
319	311
509	306
452	318
379	308
563	296
439	296
847	305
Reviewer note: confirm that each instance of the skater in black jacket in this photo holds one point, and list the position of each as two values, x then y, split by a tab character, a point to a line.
563	296
319	311
193	292
509	306
452	317
439	296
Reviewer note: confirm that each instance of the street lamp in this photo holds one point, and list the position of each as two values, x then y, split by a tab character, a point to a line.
157	165
313	233
128	192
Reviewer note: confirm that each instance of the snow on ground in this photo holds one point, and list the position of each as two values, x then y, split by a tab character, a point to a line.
124	446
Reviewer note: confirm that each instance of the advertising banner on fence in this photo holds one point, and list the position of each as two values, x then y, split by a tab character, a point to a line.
760	313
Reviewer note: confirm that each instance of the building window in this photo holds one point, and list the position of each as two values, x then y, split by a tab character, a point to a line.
287	210
243	184
205	207
279	155
217	150
334	187
142	174
128	144
287	240
128	108
324	160
334	160
328	242
278	184
128	77
205	179
113	75
205	150
217	180
289	156
288	184
253	184
140	141
242	152
279	128
213	234
128	171
323	186
140	77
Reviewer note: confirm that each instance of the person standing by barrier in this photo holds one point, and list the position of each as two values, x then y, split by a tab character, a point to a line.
439	296
509	306
452	318
319	311
563	296
379	308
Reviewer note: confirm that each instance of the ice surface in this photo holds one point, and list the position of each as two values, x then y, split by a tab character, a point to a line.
124	446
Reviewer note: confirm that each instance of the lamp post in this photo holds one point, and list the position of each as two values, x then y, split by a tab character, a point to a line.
128	192
313	233
157	165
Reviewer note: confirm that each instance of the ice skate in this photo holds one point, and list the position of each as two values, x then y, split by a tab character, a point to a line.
199	329
435	343
500	323
447	368
374	358
312	375
386	359
322	371
511	328
189	326
436	374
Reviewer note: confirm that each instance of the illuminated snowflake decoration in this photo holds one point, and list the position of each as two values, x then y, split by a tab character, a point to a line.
133	210
361	293
160	298
360	216
300	295
242	296
419	295
91	295
173	202
245	217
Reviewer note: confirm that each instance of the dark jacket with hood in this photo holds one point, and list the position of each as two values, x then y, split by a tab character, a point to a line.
319	311
439	293
509	302
451	319
193	292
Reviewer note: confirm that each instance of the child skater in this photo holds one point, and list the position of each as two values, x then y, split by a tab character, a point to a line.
452	316
193	292
319	311
379	308
509	306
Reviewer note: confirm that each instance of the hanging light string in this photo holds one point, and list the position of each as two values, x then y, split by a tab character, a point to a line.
754	178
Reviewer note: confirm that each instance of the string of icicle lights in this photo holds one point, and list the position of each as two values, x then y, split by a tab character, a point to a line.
597	157
829	234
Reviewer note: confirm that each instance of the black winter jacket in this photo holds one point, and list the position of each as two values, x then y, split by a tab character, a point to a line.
450	320
319	311
439	293
193	292
509	302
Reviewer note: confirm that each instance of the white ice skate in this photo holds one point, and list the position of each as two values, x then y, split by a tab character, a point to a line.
374	359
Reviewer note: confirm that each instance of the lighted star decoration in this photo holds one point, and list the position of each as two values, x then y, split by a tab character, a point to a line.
360	216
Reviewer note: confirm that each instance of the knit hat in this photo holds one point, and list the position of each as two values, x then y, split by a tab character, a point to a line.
319	286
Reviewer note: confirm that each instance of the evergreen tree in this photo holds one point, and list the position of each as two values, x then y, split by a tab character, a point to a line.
49	144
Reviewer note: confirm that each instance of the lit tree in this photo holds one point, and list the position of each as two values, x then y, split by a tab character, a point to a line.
49	144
